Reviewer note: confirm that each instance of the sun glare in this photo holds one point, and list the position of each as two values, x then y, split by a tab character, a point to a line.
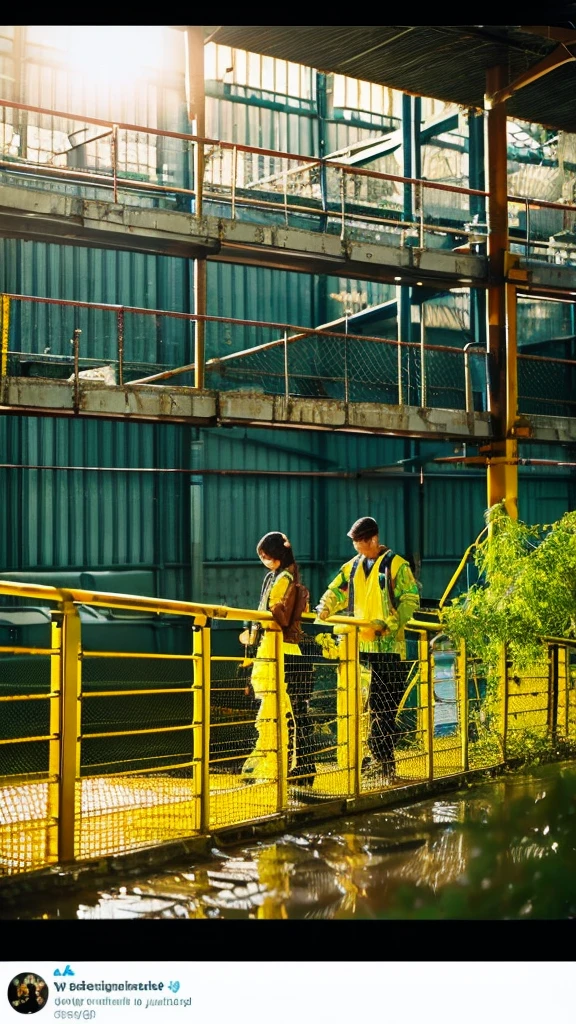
109	53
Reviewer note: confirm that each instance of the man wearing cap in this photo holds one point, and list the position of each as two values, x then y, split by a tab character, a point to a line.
378	586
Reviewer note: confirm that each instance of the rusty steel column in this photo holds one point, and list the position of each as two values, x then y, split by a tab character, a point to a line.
196	101
502	468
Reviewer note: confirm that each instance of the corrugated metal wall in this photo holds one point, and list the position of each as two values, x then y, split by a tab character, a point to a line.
55	518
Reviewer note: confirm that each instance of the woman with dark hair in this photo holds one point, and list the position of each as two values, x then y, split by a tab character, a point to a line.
275	552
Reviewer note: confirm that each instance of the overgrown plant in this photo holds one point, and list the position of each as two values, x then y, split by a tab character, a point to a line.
526	590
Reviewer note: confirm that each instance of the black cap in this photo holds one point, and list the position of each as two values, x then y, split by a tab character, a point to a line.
363	529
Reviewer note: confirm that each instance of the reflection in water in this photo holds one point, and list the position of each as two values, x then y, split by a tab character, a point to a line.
503	850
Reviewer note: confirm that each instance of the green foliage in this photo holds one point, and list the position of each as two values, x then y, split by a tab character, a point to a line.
526	591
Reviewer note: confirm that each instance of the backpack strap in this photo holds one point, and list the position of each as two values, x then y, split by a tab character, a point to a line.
353	570
389	566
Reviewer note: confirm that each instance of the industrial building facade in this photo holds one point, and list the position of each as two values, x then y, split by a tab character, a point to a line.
117	493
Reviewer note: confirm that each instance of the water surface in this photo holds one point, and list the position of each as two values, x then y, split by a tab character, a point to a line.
503	850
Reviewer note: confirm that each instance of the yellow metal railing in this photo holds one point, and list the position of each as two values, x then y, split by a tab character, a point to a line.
107	751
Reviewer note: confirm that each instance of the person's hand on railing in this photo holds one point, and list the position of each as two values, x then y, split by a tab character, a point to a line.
322	613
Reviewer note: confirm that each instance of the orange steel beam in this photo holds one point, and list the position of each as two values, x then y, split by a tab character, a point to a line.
555	59
502	471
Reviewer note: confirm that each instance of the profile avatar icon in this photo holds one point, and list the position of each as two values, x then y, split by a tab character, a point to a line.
27	993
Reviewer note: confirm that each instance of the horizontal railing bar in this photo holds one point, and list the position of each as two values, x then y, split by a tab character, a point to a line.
31	696
138	732
137	771
29	739
143	654
50	651
307	161
142	693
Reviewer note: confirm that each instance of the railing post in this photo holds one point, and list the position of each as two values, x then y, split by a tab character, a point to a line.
469	398
400	388
4	342
120	332
349	714
463	706
564	675
70	732
201	718
423	382
346	380
285	178
281	722
55	742
427	691
234	176
286	377
552	715
115	160
419	209
342	203
504	676
76	346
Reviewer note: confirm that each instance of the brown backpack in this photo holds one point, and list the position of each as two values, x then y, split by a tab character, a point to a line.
288	612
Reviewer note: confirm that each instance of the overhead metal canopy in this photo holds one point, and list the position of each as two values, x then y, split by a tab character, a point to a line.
446	62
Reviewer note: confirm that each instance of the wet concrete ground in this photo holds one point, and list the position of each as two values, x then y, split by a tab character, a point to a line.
502	850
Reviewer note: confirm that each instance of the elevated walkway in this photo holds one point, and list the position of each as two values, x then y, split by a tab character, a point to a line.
167	724
35	214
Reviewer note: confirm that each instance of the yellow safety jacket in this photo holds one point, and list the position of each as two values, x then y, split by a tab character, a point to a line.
387	598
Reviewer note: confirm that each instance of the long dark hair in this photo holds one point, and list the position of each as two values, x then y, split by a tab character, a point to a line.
277	545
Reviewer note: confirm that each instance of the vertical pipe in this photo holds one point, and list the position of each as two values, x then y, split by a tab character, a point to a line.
502	473
477	178
70	690
196	113
407	155
321	114
417	161
416	135
120	333
511	298
285	177
197	519
19	85
342	204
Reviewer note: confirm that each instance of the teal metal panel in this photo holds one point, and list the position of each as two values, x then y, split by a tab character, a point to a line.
544	501
453	515
83	518
258	126
254	293
97	275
